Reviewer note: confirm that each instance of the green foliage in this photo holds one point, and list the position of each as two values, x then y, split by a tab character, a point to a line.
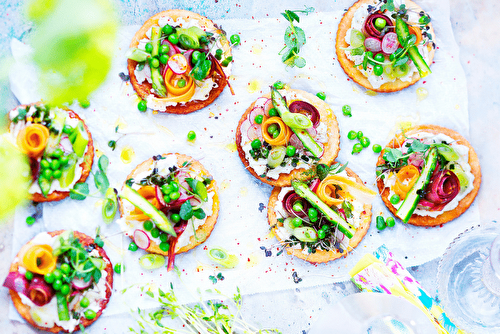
73	44
294	39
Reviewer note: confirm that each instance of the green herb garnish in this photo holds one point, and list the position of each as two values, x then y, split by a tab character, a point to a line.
294	38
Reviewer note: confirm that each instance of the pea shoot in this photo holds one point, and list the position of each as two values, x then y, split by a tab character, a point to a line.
294	38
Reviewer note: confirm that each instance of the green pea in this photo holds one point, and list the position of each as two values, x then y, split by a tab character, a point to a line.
44	164
276	134
55	164
218	54
321	234
118	268
235	39
273	112
291	150
256	144
64	160
191	135
259	119
148	225
312	213
174	185
167	29
164	48
30	220
369	55
57	274
28	275
47	173
65	268
297	206
346	110
321	95
379	57
155	233
279	85
357	148
272	129
67	129
142	105
297	222
195	56
164	246
90	314
132	246
365	141
57	174
380	223
352	135
394	199
380	23
181	83
85	302
174	195
154	62
325	228
164	59
65	289
57	284
166	189
163	237
149	47
377	148
57	153
173	38
175	217
359	135
378	69
49	278
390	221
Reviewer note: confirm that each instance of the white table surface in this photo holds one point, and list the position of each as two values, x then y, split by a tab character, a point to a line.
476	28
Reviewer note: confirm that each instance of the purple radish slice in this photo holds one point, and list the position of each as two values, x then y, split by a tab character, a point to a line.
390	43
141	239
373	44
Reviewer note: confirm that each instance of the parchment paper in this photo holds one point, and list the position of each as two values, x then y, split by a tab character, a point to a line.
242	226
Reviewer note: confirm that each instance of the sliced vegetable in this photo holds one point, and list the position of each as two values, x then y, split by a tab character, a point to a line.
220	256
333	217
178	63
137	55
80	284
39	291
141	203
276	156
371	29
413	197
33	139
335	189
307	109
373	44
17	282
403	35
357	38
62	307
110	205
304	136
284	132
305	234
158	83
79	138
390	43
405	179
447	152
39	259
151	261
443	187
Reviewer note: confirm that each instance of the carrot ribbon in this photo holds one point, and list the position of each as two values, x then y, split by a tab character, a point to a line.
39	259
405	179
33	139
284	131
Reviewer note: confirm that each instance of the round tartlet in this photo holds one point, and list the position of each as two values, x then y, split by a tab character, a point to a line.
219	76
463	204
203	231
348	65
331	147
320	255
24	310
86	163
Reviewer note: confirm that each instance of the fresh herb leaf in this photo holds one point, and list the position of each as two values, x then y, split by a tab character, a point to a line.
186	211
79	192
418	146
401	61
98	241
112	144
198	188
294	39
103	163
389	5
101	182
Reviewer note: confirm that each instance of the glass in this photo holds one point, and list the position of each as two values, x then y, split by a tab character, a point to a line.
469	280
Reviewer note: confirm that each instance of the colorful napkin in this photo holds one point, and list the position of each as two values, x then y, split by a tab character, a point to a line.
382	273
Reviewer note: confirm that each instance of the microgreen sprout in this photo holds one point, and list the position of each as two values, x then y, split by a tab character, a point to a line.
294	39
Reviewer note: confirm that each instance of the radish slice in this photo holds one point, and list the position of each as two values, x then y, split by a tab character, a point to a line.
390	43
178	63
255	111
268	106
254	132
80	284
141	239
296	142
65	144
194	201
159	197
312	132
261	101
373	44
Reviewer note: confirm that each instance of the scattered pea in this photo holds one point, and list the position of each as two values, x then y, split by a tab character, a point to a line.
359	135
357	148
321	95
167	29
57	174
273	112
297	222
155	233
65	268
142	105
297	206
90	314
364	141
148	225
132	246
175	217
321	234
291	150
235	39
394	199
30	220
174	195
380	223
218	54
65	289
346	110
256	144
259	119
28	275
390	221
173	38
191	135
149	47
352	135
377	148
119	268
181	83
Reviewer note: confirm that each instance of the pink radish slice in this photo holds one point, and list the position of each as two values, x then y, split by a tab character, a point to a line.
65	144
254	132
178	63
255	111
260	102
296	142
373	44
268	106
141	239
194	201
390	43
80	284
159	197
312	132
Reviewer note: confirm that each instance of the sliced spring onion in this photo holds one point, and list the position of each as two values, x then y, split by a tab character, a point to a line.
220	256
110	206
276	156
137	55
151	261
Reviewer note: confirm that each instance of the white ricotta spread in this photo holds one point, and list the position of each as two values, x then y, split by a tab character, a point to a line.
463	161
358	22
